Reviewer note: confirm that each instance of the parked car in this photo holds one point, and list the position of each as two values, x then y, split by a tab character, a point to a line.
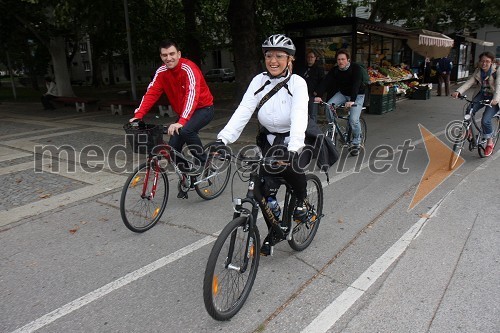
220	75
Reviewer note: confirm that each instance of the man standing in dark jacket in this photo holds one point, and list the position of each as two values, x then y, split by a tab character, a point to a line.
444	67
313	74
345	83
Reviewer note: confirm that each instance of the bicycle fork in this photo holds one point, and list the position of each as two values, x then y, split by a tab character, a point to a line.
153	167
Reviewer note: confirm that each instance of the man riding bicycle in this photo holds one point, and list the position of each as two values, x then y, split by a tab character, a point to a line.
345	84
188	93
486	79
283	116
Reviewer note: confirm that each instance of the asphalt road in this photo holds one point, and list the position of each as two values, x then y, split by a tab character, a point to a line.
68	264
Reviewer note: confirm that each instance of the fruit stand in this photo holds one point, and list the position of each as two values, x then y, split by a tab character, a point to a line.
387	84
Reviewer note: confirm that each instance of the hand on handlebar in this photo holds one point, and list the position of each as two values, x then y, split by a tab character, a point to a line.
174	128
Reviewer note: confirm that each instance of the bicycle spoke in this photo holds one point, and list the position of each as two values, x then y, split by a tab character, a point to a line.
227	283
142	202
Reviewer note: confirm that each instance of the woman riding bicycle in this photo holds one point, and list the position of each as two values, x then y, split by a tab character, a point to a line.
283	117
485	76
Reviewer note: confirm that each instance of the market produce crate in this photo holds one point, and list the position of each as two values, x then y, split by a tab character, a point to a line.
380	104
421	94
376	89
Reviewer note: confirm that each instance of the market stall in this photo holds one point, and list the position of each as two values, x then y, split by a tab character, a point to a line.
382	48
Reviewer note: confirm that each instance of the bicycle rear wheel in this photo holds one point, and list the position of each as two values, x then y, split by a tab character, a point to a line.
139	207
304	232
458	146
215	176
345	126
231	269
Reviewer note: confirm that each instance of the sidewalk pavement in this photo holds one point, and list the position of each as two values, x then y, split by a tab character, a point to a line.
448	280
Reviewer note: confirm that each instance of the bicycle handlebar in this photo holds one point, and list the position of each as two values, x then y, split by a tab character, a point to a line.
336	106
485	102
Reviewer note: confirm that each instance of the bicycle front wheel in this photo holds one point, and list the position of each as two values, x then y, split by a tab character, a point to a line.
214	177
231	269
144	197
458	146
303	233
345	126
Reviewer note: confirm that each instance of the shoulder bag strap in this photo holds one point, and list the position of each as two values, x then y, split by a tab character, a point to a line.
271	93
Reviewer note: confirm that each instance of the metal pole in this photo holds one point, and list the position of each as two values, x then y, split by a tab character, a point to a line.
130	55
11	76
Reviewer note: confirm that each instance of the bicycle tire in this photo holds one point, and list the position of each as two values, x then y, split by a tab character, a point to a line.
139	213
222	294
303	233
216	175
458	147
344	124
495	122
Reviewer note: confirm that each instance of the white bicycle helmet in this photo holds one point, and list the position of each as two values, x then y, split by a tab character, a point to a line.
279	42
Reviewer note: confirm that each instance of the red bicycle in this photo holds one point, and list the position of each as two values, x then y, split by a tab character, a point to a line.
145	193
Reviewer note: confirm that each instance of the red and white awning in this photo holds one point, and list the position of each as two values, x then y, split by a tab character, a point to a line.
431	38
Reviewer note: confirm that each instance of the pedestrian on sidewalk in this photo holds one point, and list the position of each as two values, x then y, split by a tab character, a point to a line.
188	93
50	94
313	73
486	79
444	66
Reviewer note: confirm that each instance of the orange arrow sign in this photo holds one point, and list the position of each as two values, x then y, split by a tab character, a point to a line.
437	169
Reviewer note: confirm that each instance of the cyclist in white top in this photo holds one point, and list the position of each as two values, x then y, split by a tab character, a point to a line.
283	117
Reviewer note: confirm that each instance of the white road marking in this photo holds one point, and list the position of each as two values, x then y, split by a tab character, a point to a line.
332	313
104	290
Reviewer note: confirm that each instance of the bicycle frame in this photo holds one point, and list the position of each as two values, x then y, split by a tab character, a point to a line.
166	151
476	141
256	199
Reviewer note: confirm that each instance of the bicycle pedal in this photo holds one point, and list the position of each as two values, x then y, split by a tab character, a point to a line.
182	195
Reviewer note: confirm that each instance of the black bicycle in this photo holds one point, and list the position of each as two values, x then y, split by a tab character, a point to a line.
339	130
233	262
145	193
470	131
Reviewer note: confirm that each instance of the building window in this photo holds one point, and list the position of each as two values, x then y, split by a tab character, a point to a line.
83	47
86	66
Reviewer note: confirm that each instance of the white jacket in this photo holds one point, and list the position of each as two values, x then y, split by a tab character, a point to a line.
280	114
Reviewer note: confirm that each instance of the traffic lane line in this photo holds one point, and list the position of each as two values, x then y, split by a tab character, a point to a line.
333	312
112	286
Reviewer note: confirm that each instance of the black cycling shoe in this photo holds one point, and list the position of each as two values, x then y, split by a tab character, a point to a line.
266	249
354	150
300	214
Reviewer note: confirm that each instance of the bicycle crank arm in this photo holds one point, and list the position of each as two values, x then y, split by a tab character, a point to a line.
205	179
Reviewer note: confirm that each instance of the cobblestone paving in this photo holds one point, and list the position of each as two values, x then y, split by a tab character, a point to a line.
16	127
24	187
16	161
79	140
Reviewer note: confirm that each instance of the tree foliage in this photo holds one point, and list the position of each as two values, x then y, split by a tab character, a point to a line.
33	31
437	15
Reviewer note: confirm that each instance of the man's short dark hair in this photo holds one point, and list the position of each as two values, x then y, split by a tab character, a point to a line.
343	51
166	43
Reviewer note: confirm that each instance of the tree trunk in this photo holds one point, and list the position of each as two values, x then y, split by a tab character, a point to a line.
192	41
246	51
58	53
